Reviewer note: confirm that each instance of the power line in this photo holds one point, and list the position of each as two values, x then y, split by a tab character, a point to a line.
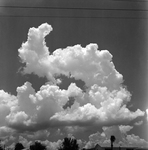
70	17
72	8
133	1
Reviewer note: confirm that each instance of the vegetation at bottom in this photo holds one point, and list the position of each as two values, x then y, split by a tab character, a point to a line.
67	144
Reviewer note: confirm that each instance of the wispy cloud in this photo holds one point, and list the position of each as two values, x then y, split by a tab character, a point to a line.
138	123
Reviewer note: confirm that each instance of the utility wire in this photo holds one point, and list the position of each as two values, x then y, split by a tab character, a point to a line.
134	1
70	17
72	8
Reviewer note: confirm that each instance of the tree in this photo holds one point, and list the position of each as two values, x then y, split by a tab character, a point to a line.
37	146
19	146
112	140
69	144
1	147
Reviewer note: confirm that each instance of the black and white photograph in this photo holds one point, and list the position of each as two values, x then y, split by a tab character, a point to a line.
73	74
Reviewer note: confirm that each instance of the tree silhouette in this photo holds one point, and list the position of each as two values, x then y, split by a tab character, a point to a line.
112	140
19	146
69	144
1	147
37	146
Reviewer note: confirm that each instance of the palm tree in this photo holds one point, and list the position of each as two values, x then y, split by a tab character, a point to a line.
69	144
112	140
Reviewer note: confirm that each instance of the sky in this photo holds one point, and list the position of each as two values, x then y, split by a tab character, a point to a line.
74	68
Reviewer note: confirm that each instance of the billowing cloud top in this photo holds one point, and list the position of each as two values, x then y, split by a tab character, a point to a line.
88	64
103	103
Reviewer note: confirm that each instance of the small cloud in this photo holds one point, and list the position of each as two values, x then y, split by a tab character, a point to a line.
52	145
147	114
6	131
124	129
24	141
113	130
136	141
138	123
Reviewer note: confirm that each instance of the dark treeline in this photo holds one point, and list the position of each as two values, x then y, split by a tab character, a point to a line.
68	143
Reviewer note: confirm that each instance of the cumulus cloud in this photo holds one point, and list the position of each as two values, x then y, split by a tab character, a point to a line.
104	101
102	104
121	135
124	129
40	135
88	64
134	140
7	103
43	109
97	138
99	107
6	131
52	145
24	141
113	130
138	123
35	108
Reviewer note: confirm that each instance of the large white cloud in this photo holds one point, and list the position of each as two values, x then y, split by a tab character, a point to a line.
35	109
40	110
103	103
88	64
105	100
100	106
